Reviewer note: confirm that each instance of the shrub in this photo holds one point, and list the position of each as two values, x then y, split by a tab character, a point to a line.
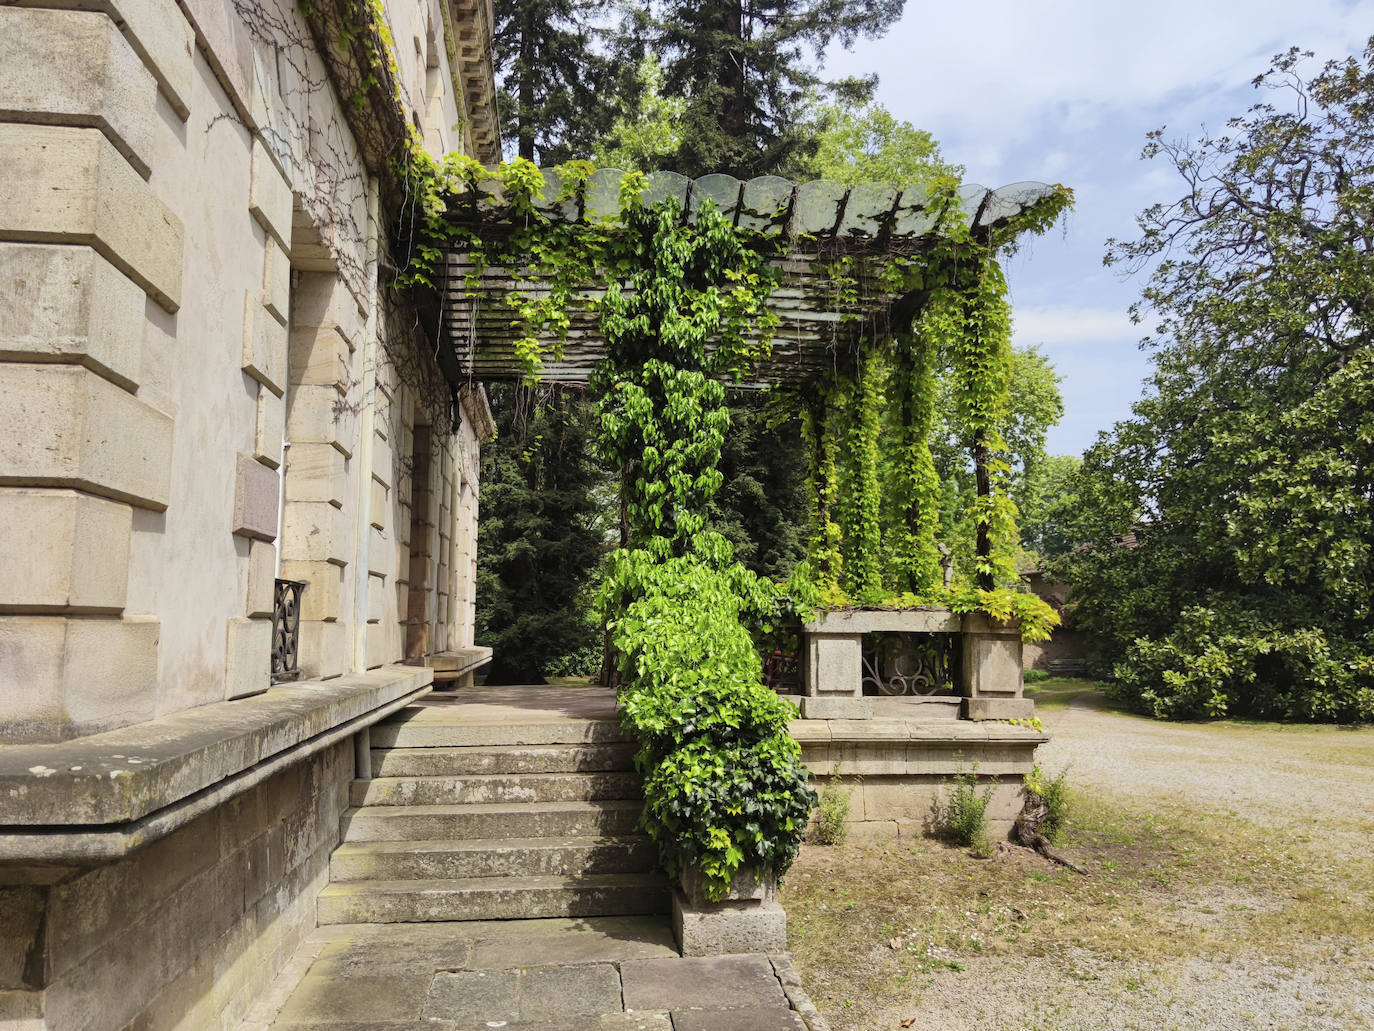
965	814
1035	676
584	662
724	784
831	825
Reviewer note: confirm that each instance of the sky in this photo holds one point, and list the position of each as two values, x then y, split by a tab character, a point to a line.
1065	91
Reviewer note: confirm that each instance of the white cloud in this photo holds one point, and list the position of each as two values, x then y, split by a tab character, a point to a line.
1058	327
994	70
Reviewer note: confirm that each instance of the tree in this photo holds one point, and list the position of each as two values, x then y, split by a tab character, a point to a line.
541	534
1247	470
1048	505
645	136
563	76
743	71
1036	406
869	145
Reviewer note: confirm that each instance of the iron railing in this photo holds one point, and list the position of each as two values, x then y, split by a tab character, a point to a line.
286	631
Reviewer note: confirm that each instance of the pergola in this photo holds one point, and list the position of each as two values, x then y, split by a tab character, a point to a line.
820	226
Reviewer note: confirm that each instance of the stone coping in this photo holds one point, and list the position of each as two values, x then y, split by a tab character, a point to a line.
927	619
459	660
879	729
132	774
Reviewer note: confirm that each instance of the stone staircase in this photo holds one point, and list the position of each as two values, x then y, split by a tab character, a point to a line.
495	819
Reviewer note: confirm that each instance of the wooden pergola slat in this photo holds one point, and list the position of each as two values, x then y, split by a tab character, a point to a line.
817	222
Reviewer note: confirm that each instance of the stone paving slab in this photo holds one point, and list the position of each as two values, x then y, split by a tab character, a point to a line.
594	974
755	1018
707	982
528	995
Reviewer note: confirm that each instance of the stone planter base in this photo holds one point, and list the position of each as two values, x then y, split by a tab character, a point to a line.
726	928
748	919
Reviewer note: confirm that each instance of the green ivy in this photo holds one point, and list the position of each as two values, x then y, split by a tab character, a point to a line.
725	787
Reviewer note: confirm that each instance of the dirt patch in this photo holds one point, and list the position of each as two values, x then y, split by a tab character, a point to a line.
1230	885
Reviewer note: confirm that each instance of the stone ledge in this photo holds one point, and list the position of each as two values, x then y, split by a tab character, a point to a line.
121	784
922	731
457	661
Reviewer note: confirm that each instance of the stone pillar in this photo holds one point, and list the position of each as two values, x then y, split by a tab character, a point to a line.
83	456
834	671
748	919
992	670
322	404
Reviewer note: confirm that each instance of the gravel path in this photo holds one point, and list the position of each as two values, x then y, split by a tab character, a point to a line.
1314	786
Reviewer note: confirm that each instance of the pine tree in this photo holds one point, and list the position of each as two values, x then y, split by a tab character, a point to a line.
564	75
541	533
746	73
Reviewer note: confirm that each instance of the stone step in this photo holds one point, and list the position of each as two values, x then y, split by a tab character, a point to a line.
492	898
479	759
491	820
492	857
517	787
430	732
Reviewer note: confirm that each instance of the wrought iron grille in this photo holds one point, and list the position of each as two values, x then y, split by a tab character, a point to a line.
910	664
286	630
782	671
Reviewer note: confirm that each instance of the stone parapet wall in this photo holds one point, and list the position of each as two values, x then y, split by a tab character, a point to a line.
898	772
186	932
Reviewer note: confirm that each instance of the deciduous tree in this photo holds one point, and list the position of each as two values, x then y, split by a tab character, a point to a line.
1247	470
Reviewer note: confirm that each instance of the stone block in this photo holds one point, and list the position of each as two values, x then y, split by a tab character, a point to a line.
315	531
321	356
323	650
75	68
257	500
836	707
318	415
383	460
80	190
728	928
276	280
984	708
68	304
269	195
322	597
158	33
380	552
322	299
992	657
379	505
926	620
262	579
267	430
834	664
379	650
67	427
316	472
248	657
264	345
377	598
63	677
63	551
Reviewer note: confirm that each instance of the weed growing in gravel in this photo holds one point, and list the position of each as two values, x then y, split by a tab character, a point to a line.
965	814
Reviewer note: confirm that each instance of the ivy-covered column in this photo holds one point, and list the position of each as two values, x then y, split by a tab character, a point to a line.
726	795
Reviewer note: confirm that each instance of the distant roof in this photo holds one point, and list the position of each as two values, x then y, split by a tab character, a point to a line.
821	219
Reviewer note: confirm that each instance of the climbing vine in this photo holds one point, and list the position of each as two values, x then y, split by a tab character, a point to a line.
683	307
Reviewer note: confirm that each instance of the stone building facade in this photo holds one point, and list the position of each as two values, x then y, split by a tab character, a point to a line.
210	389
